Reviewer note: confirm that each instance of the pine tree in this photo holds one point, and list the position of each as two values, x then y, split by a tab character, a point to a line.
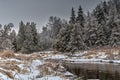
114	31
99	15
27	38
117	5
80	19
73	16
101	26
14	45
55	26
76	39
34	35
63	39
70	39
115	36
105	7
30	44
5	37
45	41
90	31
13	40
21	36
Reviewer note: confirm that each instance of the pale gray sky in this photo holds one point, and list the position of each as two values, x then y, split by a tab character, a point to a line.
39	11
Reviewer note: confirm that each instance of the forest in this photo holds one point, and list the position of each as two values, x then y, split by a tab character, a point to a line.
83	31
84	47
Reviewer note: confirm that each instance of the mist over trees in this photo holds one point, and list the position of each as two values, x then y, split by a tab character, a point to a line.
83	31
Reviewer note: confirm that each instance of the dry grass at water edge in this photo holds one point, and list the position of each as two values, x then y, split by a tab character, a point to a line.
111	53
9	63
7	54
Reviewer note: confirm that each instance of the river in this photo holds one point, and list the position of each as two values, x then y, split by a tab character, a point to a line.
101	71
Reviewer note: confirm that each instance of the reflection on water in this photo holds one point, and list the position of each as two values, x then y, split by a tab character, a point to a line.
95	70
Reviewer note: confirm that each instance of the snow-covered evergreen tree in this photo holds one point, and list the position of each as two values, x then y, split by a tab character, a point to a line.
73	16
54	26
80	18
101	24
90	31
30	43
76	42
27	38
114	39
21	36
45	41
5	40
81	21
13	40
63	39
105	7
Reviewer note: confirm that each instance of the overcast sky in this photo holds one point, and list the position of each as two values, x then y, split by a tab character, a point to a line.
39	11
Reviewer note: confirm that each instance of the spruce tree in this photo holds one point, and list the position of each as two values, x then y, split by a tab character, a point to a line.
63	39
34	35
99	15
80	19
21	36
13	40
54	25
27	38
73	16
115	36
101	28
76	39
105	7
114	31
90	31
30	43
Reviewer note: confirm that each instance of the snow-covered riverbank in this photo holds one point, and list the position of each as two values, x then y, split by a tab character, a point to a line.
46	65
34	66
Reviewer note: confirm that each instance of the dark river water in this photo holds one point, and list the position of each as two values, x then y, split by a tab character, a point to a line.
101	71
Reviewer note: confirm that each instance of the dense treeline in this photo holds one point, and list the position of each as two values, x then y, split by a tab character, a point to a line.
98	28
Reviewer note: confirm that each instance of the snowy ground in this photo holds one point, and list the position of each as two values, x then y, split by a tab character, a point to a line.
107	56
38	66
31	66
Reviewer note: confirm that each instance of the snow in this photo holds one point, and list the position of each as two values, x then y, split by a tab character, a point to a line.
56	56
81	57
116	52
31	66
47	52
4	77
13	59
80	53
50	78
37	62
102	55
29	76
116	61
92	61
113	61
83	60
68	74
